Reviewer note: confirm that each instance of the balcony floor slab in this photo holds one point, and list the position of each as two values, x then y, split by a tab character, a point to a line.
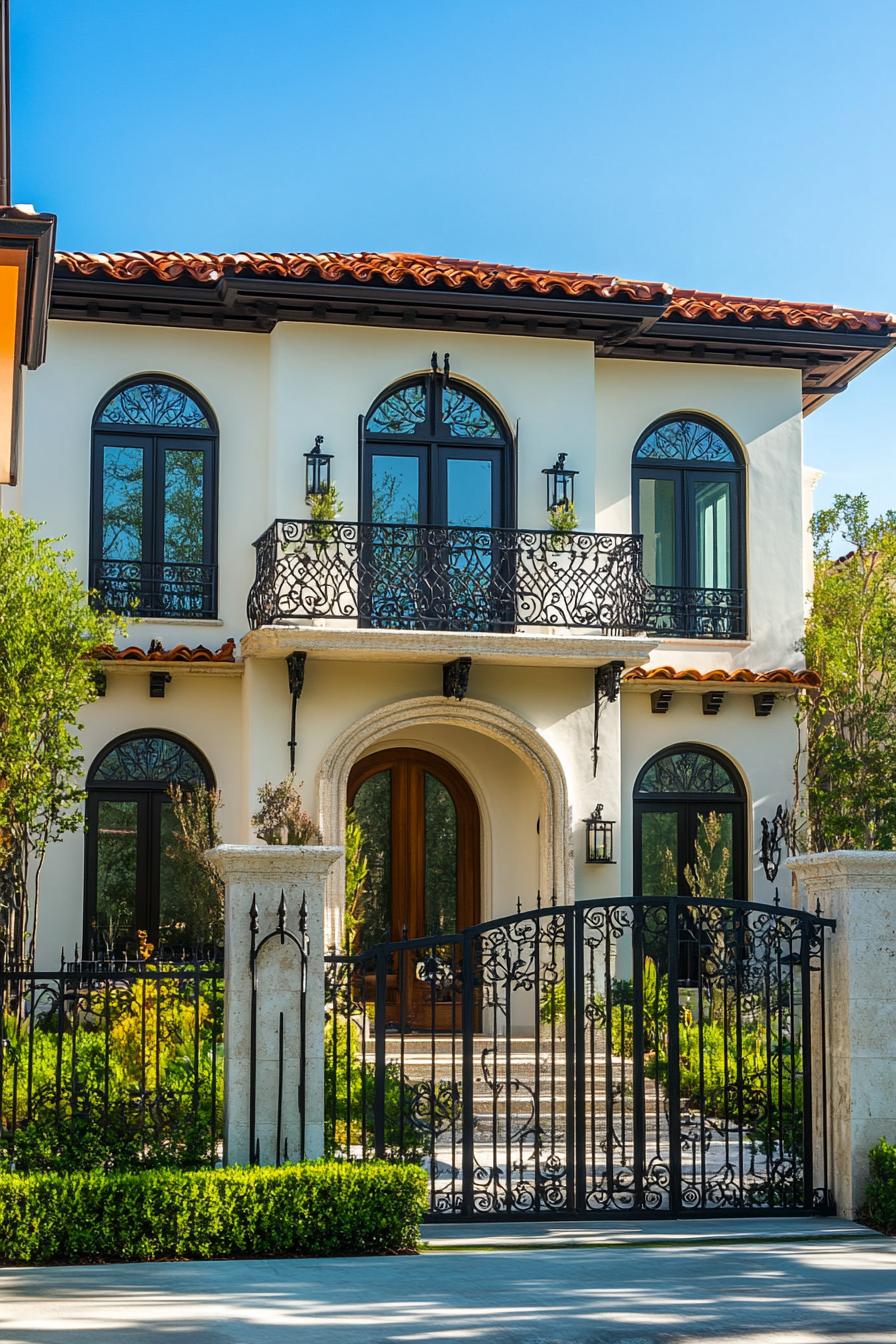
541	649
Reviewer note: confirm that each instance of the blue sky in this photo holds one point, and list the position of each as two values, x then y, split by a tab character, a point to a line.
745	146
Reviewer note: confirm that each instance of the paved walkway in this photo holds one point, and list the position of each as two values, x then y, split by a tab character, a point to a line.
680	1285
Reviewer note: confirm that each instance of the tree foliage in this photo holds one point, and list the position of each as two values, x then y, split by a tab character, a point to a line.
848	785
48	634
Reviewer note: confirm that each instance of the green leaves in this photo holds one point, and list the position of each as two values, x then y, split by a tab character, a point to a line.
880	1194
850	793
48	633
312	1208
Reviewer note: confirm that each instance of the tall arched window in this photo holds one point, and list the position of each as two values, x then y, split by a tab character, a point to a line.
435	455
134	880
153	500
688	495
674	793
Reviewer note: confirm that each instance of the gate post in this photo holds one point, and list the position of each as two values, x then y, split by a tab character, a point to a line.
256	879
858	889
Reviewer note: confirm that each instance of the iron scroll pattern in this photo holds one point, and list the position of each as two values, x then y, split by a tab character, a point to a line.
145	588
406	576
611	1058
696	613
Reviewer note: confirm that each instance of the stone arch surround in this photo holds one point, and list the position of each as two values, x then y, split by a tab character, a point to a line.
500	724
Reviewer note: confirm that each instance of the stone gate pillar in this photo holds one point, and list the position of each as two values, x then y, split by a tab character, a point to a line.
858	889
266	874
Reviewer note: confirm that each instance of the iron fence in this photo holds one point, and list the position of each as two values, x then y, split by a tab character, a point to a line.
112	1063
146	588
640	1057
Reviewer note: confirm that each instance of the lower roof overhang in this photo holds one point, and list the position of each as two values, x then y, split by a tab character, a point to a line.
435	646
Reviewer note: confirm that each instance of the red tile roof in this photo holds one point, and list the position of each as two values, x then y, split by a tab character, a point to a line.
157	653
780	676
414	270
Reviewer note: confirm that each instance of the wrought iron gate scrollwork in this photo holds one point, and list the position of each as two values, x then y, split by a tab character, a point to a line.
651	1056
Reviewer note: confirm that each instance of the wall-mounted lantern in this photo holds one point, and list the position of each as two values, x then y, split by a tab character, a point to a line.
317	470
561	483
598	837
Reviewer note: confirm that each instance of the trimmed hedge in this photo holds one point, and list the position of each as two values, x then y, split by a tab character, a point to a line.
311	1208
880	1193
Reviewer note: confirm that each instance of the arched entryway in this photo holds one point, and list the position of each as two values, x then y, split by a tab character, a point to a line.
674	794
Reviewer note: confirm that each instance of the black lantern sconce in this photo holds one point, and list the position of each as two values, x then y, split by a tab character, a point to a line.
317	470
598	837
561	483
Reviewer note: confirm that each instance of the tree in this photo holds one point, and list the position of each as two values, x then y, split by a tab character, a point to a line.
48	637
847	793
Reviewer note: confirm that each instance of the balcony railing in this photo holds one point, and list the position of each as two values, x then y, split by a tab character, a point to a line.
142	588
696	613
410	577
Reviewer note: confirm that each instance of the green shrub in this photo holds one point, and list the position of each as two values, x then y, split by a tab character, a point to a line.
880	1193
312	1208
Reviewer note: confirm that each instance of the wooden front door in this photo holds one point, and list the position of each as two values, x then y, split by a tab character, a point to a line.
420	825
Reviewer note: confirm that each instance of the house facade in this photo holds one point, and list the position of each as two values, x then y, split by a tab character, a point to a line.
483	690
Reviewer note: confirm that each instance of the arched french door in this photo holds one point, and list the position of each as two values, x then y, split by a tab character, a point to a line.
420	827
135	880
674	794
436	489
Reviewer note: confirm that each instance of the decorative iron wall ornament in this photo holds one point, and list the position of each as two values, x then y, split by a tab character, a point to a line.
405	576
456	678
295	671
513	1063
607	681
317	470
774	842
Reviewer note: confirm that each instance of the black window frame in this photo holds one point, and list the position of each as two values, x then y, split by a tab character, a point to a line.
149	796
156	592
690	616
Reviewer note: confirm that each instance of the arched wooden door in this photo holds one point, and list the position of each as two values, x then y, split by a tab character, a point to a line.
420	824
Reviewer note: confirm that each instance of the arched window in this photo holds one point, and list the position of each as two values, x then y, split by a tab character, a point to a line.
153	500
134	879
688	495
435	455
674	793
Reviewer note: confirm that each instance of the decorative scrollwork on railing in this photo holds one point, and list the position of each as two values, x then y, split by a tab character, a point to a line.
696	613
144	589
406	576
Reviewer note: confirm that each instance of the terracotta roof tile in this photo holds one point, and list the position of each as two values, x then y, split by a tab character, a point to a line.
393	268
413	269
781	676
157	653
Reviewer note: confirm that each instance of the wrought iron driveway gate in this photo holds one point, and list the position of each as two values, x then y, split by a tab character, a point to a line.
641	1057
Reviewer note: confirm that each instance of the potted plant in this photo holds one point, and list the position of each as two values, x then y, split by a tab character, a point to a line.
324	507
563	520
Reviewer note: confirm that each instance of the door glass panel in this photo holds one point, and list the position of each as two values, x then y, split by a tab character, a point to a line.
469	492
657	520
712	505
440	879
373	809
189	913
122	502
116	869
184	499
659	853
721	854
469	553
394	554
402	412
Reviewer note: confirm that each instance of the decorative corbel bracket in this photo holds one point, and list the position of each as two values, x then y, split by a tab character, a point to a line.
157	683
660	701
713	701
764	703
607	681
295	671
456	678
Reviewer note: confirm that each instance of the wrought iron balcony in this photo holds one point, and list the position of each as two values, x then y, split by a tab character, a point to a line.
147	589
412	577
696	613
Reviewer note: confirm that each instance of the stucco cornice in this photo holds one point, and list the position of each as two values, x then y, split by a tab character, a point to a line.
284	863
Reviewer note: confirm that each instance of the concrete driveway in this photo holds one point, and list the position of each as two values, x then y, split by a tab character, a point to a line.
677	1287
